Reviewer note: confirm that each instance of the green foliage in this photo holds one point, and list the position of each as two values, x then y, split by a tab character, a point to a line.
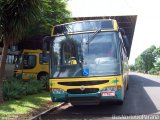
31	17
156	53
132	67
53	12
146	60
153	71
16	16
13	89
139	64
17	88
157	65
33	86
35	17
149	61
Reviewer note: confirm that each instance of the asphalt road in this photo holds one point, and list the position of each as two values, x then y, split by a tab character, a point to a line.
142	98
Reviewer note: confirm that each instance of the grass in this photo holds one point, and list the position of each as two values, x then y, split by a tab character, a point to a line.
25	107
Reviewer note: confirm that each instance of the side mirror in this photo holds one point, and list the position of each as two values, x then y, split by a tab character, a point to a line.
125	40
46	40
122	31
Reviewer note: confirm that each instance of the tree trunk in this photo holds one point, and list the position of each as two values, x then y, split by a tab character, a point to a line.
2	67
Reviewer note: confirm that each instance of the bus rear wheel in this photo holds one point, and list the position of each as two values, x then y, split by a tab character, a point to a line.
43	77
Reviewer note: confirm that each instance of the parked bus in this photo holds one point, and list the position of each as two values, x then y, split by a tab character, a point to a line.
31	64
89	62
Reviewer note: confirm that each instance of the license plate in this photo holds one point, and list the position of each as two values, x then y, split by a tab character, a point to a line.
108	93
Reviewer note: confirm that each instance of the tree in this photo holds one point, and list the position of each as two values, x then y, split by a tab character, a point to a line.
156	53
132	67
54	12
145	61
15	18
139	64
148	58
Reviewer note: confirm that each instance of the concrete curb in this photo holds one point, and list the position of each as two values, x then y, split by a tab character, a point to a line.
44	112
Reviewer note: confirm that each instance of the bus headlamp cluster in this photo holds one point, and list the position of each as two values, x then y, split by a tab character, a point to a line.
111	88
57	91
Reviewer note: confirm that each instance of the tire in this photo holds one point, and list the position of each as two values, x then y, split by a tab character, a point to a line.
119	102
43	77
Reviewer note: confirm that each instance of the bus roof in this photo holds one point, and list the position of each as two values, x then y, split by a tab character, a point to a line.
85	26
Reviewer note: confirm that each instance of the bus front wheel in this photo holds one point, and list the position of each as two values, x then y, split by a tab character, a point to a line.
119	102
42	76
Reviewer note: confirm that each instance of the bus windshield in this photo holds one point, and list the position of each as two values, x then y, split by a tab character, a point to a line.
79	56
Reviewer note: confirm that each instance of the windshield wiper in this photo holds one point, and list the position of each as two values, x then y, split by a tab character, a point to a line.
66	34
65	31
93	36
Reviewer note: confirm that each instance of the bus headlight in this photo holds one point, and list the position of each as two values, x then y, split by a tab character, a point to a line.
112	88
57	91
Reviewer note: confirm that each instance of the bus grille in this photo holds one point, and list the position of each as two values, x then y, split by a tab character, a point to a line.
85	91
84	83
84	100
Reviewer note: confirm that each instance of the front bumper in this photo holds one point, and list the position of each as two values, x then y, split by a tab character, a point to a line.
86	99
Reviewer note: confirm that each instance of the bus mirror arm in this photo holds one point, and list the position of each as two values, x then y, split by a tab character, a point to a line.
125	40
45	40
124	36
122	31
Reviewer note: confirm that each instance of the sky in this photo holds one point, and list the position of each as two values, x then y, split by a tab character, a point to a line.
147	30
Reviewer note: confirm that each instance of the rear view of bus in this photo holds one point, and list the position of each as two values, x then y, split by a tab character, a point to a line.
89	63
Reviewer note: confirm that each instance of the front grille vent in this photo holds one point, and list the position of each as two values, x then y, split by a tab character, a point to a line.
84	91
84	83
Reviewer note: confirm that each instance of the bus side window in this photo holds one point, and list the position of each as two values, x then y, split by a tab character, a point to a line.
44	59
123	54
121	46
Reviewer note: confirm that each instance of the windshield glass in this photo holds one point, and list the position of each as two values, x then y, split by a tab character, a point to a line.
76	56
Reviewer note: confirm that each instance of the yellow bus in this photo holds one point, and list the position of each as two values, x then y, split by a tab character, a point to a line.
89	62
31	64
